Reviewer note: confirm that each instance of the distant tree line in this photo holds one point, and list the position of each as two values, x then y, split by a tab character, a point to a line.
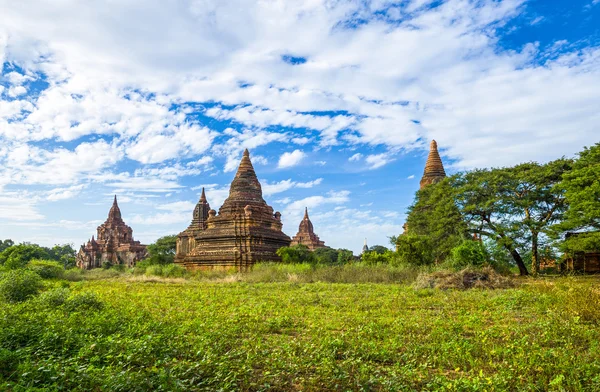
13	256
514	215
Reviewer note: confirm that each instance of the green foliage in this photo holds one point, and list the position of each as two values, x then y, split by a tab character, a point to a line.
299	254
19	285
469	254
380	249
84	302
345	256
17	256
373	257
296	254
6	244
47	269
434	214
193	336
582	191
55	297
65	254
166	271
163	250
415	249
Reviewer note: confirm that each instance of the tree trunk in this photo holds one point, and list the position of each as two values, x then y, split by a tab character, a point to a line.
535	261
517	257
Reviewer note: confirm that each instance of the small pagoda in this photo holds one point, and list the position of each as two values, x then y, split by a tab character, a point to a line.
306	234
186	240
115	244
245	230
434	169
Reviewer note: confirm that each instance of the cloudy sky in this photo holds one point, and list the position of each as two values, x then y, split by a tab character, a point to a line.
337	101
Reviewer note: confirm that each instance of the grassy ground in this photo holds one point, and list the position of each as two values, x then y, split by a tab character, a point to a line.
186	335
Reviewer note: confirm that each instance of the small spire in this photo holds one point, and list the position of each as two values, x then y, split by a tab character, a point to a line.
203	195
247	153
305	212
115	201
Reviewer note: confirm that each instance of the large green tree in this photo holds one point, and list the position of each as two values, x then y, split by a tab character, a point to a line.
163	250
535	201
479	194
435	214
582	192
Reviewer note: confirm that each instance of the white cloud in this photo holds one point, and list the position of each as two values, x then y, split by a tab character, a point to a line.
65	193
15	207
284	185
290	159
376	161
356	157
410	177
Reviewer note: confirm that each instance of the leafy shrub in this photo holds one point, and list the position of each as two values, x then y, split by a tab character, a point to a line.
174	271
56	297
414	249
46	269
296	254
84	301
74	274
167	271
8	362
17	256
18	285
375	257
106	265
469	254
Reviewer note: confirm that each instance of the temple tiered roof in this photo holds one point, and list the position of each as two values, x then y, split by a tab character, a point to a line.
306	234
434	169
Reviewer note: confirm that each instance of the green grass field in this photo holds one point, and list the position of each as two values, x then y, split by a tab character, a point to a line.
187	335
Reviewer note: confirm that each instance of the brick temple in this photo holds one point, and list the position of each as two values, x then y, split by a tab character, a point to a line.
115	244
186	240
434	169
306	234
245	231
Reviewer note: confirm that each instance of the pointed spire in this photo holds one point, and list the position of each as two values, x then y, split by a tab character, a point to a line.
203	196
434	168
115	212
305	212
245	185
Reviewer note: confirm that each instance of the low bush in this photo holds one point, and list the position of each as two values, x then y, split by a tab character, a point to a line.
84	301
468	254
8	362
485	278
55	297
47	269
19	285
167	271
74	274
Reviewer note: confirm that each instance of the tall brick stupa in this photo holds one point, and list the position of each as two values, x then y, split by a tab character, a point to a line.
434	169
245	231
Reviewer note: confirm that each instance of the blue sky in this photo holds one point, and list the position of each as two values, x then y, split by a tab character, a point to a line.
336	100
